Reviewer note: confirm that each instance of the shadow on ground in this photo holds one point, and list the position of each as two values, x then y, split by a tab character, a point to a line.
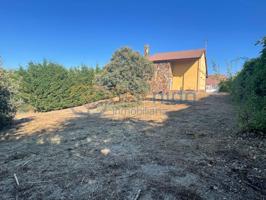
193	154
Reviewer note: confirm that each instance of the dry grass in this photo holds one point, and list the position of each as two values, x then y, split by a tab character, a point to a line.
169	151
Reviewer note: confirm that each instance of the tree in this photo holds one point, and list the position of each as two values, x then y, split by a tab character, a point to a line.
127	72
45	86
49	86
98	70
7	108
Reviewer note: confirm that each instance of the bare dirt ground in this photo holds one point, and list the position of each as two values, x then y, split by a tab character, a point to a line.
156	150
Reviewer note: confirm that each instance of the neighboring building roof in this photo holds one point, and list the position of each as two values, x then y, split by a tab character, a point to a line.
177	55
214	80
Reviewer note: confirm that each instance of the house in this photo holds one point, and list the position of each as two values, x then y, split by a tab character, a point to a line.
180	70
212	82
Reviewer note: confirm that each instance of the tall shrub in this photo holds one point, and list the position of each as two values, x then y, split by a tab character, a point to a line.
49	86
45	86
226	85
127	72
249	92
7	108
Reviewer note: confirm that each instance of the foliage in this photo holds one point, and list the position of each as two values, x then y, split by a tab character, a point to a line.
45	86
249	92
226	85
127	72
49	86
7	108
25	107
13	81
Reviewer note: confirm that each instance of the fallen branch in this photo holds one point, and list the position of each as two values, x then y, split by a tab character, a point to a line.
79	156
23	163
16	179
82	180
137	195
26	163
96	104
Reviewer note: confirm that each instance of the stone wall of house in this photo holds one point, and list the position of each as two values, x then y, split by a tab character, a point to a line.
162	79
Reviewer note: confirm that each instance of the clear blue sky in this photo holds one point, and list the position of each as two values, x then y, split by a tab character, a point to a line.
74	32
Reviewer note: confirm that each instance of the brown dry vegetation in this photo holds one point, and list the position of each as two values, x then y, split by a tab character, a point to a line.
164	150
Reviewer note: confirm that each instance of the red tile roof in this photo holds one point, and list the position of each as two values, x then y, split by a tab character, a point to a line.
214	80
177	55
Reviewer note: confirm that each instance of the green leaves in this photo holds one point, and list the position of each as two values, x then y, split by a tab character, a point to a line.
249	92
7	107
127	72
49	86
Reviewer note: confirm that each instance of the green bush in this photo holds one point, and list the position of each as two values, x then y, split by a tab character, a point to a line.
226	85
127	72
24	108
7	108
45	86
49	86
249	92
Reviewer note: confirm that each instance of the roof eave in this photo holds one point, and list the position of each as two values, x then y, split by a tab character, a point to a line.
174	59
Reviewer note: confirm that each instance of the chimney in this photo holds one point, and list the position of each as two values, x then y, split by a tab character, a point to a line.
146	50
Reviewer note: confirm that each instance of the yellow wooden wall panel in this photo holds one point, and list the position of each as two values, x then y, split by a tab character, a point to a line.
202	73
184	74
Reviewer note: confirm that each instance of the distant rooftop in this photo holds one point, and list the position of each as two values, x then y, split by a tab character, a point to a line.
215	79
